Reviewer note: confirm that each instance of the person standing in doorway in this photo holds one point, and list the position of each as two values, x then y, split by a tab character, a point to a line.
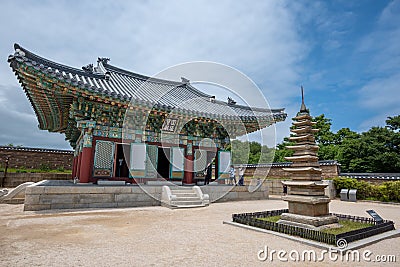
232	176
207	178
284	190
241	175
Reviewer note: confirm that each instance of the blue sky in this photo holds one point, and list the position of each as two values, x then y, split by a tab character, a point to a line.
345	53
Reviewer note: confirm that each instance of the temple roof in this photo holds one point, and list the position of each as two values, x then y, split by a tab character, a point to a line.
105	79
62	95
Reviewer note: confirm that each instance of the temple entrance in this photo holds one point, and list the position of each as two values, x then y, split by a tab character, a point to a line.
121	166
202	159
163	166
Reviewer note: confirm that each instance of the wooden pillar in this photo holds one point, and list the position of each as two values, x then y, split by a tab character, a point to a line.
85	166
78	163
189	167
74	166
86	158
189	164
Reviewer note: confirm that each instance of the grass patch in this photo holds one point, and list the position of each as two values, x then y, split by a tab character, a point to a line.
347	227
22	170
271	218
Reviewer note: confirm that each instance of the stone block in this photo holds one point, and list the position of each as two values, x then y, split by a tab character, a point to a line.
59	206
147	188
81	205
33	207
144	197
231	195
119	198
103	205
309	209
32	199
60	189
33	189
59	199
117	189
91	189
124	204
96	198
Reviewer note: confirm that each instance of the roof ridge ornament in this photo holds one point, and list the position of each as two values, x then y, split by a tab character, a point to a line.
303	107
88	68
231	101
103	60
185	81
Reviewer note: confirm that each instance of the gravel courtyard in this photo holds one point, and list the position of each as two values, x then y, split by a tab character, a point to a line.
158	236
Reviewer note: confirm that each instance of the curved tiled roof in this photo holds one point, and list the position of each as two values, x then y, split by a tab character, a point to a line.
33	149
288	164
105	79
378	176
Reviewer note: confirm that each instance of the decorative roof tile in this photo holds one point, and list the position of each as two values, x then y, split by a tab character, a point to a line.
125	85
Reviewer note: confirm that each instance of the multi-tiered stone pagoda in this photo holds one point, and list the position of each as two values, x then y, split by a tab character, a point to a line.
308	205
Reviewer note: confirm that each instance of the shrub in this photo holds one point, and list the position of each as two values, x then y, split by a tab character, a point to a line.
44	167
61	169
388	191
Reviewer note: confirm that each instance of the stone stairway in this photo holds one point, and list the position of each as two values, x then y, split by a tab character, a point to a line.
16	195
183	197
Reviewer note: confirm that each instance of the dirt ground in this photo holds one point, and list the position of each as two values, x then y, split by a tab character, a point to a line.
158	236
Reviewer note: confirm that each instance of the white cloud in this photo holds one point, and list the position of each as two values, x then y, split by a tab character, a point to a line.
380	95
260	38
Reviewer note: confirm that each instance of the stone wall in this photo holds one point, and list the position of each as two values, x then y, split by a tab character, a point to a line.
330	169
15	179
65	195
36	158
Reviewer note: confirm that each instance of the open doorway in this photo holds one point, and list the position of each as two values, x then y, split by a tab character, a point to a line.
210	158
163	162
121	165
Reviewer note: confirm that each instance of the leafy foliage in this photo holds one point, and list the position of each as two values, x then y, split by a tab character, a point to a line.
377	150
393	123
250	152
388	191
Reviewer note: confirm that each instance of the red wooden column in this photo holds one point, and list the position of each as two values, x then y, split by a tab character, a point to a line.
86	158
74	166
85	168
78	163
189	164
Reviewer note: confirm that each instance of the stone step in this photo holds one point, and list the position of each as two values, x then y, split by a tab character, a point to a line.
194	198
175	191
186	202
185	194
183	197
187	206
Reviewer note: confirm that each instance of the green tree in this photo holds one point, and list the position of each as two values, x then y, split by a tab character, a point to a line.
324	136
281	151
393	123
377	150
250	152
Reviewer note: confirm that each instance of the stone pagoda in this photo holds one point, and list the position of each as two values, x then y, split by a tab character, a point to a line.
308	205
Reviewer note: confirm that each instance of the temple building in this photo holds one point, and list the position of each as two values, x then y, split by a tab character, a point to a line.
127	126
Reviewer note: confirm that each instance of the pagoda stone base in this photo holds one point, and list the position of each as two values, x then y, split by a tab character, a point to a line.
310	222
308	205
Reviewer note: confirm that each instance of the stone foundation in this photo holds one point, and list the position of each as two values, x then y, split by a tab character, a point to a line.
310	222
48	195
308	205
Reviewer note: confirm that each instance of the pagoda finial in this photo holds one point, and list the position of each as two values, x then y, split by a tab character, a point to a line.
303	106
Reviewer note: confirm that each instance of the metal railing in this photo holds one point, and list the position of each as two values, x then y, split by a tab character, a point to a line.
253	219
